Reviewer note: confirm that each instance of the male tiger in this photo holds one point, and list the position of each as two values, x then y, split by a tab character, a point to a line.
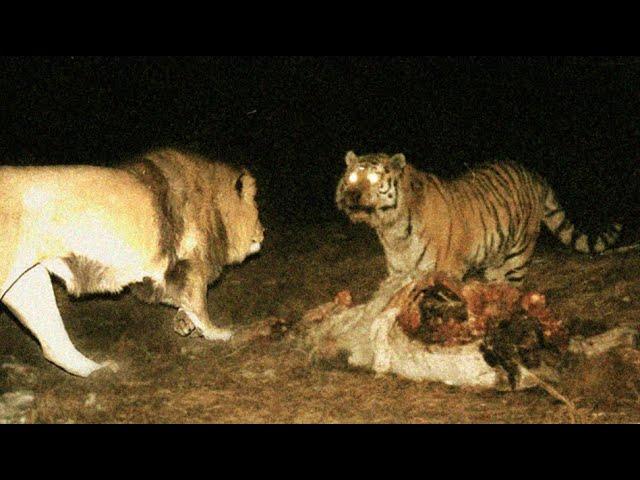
486	220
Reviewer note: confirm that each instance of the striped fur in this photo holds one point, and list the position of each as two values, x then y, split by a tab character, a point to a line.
486	220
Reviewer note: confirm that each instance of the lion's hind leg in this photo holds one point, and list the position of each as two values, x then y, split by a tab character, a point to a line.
32	301
60	268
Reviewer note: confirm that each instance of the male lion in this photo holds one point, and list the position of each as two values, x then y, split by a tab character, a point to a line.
166	222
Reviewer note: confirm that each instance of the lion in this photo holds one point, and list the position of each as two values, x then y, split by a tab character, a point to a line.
165	223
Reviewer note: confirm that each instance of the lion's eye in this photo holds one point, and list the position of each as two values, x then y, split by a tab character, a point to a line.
373	177
353	178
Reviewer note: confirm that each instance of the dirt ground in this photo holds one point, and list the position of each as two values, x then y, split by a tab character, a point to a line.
167	378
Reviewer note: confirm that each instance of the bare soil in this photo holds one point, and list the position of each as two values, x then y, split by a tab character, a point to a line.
165	378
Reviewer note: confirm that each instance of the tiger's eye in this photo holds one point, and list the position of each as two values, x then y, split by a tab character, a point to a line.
373	177
353	178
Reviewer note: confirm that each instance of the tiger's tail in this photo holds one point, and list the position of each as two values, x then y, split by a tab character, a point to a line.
558	223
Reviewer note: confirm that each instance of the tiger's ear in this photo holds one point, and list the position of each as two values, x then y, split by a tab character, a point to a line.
350	158
398	161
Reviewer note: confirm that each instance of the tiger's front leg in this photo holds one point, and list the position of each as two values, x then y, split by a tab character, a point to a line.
452	266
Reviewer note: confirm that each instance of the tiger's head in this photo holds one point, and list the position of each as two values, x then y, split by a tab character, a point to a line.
369	189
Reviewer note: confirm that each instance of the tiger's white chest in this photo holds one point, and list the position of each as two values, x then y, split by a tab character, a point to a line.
405	252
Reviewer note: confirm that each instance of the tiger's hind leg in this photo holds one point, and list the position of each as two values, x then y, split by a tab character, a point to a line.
514	266
32	301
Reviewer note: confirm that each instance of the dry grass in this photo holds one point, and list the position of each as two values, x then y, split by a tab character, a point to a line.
166	378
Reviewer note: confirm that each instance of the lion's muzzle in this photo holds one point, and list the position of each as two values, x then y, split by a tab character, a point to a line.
255	247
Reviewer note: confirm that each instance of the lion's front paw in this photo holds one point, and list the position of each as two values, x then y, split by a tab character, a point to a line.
182	324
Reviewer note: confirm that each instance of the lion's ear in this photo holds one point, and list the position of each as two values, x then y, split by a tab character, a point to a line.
239	185
398	161
350	158
245	185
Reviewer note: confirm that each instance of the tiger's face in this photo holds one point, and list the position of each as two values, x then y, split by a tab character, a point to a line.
368	190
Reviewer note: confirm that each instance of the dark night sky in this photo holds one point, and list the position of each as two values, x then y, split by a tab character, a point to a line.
290	120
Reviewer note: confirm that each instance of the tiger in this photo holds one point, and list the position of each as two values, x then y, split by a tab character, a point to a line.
165	224
485	221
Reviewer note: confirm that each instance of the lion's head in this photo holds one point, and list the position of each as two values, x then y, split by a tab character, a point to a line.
239	212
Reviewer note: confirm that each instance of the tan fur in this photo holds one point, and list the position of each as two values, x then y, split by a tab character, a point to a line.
166	222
